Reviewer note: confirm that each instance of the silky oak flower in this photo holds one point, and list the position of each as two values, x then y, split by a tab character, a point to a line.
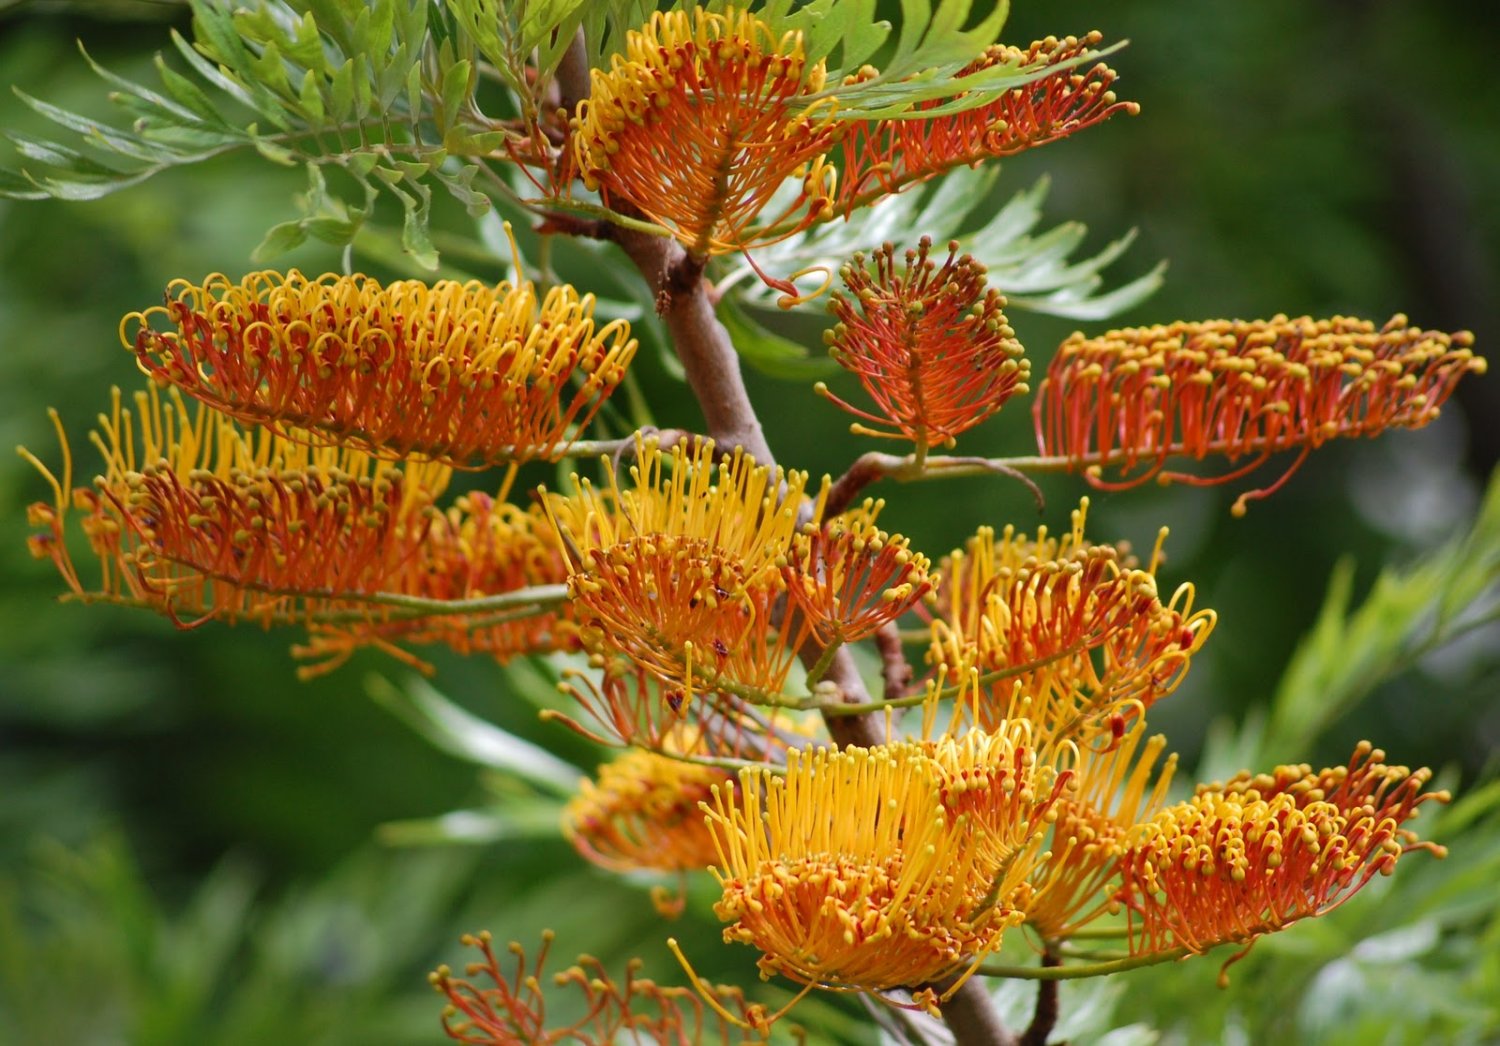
1255	854
1059	98
849	872
699	123
679	573
1127	401
464	373
195	516
1060	631
491	1006
928	342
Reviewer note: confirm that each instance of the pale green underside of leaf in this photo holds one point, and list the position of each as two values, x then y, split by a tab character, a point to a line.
1034	271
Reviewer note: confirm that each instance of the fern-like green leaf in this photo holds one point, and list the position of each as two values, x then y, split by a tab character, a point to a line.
1349	652
1034	271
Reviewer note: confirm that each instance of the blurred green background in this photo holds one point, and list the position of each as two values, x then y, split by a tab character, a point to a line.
189	837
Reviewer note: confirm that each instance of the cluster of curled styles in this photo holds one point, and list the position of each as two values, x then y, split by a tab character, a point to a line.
1056	100
491	1006
679	572
870	869
1133	398
197	518
699	123
928	342
463	373
707	116
1067	634
1260	852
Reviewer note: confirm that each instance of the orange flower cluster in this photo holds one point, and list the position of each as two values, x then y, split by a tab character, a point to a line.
679	574
1252	856
699	123
866	869
642	813
1135	397
478	547
1060	632
849	577
462	373
1114	791
928	342
887	155
198	519
508	1009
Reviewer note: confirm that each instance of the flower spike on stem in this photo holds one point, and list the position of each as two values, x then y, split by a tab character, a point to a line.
464	373
928	342
1131	399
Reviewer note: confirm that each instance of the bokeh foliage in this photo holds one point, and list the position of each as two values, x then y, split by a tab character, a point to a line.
189	839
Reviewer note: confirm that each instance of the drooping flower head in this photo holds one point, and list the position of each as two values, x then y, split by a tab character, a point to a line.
642	812
1256	854
849	871
699	123
883	156
928	342
462	373
495	1007
1133	398
849	577
679	573
195	516
1070	635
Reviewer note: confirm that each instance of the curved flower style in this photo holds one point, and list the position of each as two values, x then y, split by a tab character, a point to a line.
885	156
850	873
1135	397
478	547
458	372
680	575
700	122
849	577
630	706
1253	856
643	815
1007	796
929	343
195	516
1114	792
510	1010
1060	632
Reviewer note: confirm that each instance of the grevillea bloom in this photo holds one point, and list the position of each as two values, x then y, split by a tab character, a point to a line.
1061	632
195	516
642	813
679	574
849	577
1115	789
883	156
499	1008
463	373
1007	797
627	705
1130	399
850	873
476	548
699	123
1256	854
928	342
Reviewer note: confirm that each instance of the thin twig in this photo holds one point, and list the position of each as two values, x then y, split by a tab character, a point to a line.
1044	1018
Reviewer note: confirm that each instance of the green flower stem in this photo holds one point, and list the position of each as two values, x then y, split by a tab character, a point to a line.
820	666
1078	971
